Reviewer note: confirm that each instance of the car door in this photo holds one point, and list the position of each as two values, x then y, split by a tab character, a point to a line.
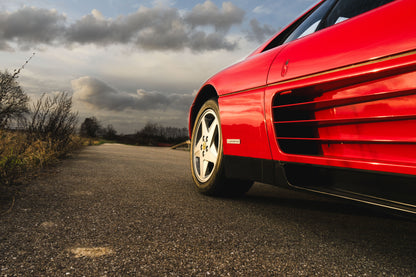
332	92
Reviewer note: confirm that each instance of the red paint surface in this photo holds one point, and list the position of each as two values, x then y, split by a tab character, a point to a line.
248	88
250	73
242	117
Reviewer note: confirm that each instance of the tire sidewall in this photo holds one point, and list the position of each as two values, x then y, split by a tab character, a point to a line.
209	186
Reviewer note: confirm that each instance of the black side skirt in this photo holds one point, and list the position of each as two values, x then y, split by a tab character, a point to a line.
249	169
382	189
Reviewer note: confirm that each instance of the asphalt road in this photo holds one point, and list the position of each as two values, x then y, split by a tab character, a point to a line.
115	210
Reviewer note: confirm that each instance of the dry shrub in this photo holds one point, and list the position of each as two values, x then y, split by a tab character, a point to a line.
52	120
39	154
47	135
18	155
11	156
21	155
91	141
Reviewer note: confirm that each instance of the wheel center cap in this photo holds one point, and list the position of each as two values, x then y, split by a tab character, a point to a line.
204	146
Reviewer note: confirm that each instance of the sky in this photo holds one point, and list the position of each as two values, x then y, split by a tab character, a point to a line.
129	62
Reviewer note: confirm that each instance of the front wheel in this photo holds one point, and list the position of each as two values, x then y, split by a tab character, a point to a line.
207	155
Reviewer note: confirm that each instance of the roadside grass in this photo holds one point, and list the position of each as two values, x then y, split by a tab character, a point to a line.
21	155
94	141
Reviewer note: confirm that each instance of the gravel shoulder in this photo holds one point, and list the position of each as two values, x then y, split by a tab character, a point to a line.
116	210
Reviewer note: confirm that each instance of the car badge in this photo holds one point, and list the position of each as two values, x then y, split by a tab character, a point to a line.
285	68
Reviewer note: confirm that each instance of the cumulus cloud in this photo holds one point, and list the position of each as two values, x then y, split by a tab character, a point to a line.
150	28
98	95
202	41
29	26
157	28
259	33
209	14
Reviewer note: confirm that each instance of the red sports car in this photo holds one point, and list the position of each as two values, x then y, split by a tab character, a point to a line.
327	105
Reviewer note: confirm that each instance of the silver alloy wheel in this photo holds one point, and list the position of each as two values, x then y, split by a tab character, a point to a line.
206	145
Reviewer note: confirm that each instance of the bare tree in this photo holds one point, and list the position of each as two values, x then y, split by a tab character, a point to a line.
90	127
109	132
13	101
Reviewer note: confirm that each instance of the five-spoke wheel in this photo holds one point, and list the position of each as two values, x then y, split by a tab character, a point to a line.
206	145
207	155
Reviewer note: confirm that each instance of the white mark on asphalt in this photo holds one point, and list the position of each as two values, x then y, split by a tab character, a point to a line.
91	252
47	224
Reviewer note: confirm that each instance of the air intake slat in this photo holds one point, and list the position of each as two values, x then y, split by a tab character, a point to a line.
325	104
343	121
347	141
365	121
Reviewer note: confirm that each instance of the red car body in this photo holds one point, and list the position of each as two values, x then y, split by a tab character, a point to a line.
332	112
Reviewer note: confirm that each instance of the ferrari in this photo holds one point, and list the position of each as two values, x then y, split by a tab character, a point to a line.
327	105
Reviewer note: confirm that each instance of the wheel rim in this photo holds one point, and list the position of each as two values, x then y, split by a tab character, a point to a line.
206	145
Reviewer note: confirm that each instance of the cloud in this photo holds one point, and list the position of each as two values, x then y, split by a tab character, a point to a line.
98	95
157	28
262	10
29	26
202	41
209	14
259	33
5	46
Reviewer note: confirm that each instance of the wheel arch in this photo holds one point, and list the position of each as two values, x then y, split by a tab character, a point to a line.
206	93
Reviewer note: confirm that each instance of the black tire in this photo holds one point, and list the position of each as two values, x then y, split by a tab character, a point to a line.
207	156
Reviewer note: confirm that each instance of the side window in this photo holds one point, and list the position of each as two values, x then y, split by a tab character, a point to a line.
328	13
346	9
311	23
305	25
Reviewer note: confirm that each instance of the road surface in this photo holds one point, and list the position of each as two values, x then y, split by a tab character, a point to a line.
115	210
